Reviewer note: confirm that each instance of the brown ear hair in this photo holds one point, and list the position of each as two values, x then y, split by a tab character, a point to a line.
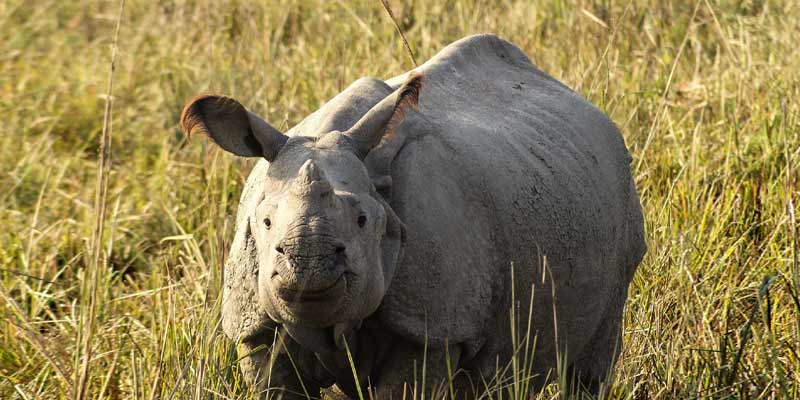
226	122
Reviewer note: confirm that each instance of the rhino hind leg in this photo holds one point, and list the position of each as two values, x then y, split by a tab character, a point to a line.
592	368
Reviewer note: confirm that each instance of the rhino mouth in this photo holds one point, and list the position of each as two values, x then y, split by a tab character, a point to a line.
312	276
316	308
309	267
301	295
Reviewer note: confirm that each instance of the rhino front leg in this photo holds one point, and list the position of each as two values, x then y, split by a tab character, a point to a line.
277	368
408	365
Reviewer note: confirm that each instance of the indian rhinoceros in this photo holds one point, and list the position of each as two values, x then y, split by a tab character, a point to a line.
405	231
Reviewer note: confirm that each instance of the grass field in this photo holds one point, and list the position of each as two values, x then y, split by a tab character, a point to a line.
706	93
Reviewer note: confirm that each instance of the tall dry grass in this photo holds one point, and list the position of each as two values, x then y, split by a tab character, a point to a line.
705	92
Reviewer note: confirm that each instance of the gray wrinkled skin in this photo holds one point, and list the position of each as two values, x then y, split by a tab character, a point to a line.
501	166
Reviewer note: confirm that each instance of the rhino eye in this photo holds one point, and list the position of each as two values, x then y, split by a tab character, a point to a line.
267	222
362	219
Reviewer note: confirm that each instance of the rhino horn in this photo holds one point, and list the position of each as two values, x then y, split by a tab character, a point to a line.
383	120
311	181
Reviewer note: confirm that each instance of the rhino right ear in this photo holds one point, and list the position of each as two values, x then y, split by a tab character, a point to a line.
231	126
379	126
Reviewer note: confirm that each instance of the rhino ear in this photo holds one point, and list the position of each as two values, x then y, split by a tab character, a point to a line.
231	126
377	135
379	125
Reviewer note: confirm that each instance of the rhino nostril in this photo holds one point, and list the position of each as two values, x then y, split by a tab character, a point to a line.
279	249
340	249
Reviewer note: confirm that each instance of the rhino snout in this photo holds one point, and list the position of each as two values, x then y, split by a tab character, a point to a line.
308	267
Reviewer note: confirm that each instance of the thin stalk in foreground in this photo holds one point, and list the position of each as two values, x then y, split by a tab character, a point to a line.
101	200
388	9
353	368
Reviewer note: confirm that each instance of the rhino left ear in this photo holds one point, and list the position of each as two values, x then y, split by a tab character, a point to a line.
377	136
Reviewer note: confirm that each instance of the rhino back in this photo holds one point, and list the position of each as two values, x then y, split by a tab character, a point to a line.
503	165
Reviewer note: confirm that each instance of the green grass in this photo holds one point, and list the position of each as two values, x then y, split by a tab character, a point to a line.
707	95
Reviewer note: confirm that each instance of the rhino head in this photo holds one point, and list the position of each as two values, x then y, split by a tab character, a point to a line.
327	243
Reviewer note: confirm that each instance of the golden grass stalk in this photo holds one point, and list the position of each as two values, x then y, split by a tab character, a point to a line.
388	9
100	207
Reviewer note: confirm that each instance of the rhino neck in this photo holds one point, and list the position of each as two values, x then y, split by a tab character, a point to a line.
328	340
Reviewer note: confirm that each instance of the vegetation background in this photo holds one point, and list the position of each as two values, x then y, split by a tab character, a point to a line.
706	93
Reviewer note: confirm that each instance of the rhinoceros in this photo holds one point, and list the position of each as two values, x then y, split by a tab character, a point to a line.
423	231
